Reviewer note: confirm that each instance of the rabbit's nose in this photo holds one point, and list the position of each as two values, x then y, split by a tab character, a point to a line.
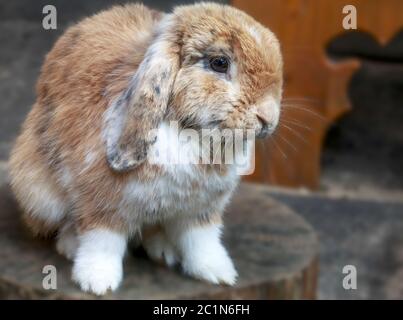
267	115
264	114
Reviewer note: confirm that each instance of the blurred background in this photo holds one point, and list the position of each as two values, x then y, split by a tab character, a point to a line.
337	158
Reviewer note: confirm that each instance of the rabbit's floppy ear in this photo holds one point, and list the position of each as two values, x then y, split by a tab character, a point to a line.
131	119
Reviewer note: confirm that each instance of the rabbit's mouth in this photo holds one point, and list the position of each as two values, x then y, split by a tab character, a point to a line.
266	128
264	131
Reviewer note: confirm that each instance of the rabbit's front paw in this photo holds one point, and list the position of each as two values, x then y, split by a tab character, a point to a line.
98	261
212	265
97	273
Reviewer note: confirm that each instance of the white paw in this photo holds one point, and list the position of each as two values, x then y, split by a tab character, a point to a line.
212	265
160	249
98	261
67	244
98	273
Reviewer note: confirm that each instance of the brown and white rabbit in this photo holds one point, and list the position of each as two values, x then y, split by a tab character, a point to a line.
106	94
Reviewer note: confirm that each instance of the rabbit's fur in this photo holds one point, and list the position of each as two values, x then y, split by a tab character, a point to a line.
79	166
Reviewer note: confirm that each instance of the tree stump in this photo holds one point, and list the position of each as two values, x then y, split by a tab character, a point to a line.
274	251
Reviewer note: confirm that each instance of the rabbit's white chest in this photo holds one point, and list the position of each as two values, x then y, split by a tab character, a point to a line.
183	188
185	193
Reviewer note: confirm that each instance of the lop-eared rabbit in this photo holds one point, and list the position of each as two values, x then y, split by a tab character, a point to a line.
106	97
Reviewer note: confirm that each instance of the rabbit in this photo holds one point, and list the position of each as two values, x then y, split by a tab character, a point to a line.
107	94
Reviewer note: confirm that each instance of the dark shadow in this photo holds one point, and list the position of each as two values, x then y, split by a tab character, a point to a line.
362	45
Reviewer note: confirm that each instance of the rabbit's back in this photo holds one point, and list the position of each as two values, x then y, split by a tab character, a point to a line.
97	55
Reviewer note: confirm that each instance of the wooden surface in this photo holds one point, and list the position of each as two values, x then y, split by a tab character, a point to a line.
274	250
312	81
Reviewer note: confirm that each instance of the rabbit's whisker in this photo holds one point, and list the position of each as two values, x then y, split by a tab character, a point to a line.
289	143
296	123
296	133
278	147
303	108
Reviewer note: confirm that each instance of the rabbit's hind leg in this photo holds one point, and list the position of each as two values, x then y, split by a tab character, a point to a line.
41	199
158	247
67	241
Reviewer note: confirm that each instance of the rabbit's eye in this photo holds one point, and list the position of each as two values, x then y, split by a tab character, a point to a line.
219	64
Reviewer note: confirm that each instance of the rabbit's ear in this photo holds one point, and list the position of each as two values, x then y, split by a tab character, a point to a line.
132	119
